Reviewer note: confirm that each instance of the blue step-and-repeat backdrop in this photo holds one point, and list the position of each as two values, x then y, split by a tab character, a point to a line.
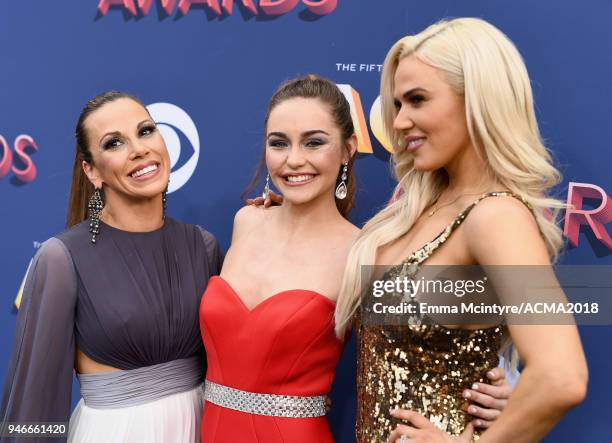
208	67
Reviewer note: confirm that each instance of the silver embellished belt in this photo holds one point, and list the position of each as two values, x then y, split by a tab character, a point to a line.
264	404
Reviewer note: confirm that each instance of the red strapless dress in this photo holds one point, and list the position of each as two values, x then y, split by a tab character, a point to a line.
285	345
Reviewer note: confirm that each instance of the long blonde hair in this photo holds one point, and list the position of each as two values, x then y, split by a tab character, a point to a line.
482	65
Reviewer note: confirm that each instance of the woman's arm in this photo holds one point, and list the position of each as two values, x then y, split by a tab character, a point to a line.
502	231
214	253
39	377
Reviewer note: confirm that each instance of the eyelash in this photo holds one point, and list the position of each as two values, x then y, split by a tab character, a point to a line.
415	100
112	143
150	128
312	143
277	144
116	141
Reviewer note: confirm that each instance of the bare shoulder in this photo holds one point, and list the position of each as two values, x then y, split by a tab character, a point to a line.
353	232
344	233
351	229
251	217
503	230
501	209
248	215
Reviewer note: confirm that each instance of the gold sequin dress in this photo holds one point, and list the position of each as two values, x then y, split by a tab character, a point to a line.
421	367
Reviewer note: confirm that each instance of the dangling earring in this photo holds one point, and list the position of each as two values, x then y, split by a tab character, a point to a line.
164	202
266	192
342	190
95	206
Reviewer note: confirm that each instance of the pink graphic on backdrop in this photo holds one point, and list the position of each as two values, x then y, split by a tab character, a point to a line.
228	6
595	218
184	5
104	5
321	7
145	6
168	6
27	174
269	7
6	157
277	7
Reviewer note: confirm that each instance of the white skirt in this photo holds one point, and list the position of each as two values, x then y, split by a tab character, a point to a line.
172	419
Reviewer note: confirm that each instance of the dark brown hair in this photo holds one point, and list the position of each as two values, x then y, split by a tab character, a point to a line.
313	86
81	188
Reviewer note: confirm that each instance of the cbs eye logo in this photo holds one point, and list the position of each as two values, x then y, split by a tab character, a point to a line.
170	119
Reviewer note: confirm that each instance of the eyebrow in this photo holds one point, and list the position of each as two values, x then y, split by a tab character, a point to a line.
117	133
304	134
146	120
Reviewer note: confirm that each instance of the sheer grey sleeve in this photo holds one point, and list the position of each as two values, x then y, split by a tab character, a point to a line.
39	377
213	251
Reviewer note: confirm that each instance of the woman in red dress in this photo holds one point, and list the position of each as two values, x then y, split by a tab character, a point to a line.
268	320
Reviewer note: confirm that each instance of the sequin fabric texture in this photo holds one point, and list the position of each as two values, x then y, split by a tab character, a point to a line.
418	366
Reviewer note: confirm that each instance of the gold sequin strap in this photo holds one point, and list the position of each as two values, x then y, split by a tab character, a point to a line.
467	210
425	252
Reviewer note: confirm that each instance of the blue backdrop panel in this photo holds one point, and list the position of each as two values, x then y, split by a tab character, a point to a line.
220	71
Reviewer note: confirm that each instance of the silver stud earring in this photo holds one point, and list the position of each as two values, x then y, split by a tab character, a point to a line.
341	190
266	192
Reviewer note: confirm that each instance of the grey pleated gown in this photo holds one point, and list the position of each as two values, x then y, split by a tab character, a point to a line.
130	301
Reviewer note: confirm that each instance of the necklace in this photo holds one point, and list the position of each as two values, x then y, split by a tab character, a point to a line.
435	209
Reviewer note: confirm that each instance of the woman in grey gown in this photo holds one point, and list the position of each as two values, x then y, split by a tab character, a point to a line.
114	297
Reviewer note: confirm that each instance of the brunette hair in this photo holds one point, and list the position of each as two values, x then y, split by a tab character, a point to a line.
81	188
313	86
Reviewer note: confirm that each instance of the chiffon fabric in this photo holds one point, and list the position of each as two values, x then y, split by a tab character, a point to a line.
175	418
129	301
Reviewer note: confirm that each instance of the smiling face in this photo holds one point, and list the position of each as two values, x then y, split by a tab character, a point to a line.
130	159
430	115
304	150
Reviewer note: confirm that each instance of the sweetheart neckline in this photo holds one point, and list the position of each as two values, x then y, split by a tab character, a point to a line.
273	296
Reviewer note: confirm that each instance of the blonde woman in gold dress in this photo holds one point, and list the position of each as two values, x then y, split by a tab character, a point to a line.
473	181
